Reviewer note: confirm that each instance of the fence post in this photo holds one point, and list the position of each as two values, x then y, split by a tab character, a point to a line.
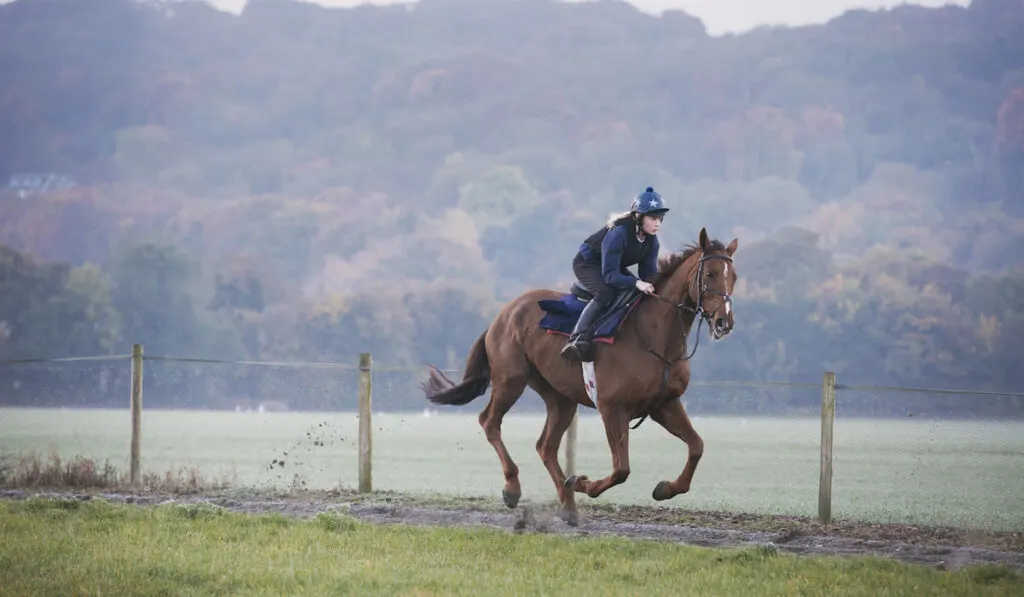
136	414
828	416
365	428
570	445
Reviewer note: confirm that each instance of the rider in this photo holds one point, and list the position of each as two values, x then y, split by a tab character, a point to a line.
600	265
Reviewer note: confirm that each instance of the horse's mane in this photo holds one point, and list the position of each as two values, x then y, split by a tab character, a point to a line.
668	265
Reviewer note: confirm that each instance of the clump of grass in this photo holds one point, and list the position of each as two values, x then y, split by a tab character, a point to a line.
336	522
183	480
33	471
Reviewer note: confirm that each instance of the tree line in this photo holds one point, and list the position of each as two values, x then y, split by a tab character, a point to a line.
304	183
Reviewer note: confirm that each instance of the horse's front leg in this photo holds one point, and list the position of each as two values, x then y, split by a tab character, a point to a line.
672	416
616	427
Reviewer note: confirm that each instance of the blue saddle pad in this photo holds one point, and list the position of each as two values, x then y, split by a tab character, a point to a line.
562	314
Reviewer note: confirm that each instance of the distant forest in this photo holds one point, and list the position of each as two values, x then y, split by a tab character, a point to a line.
298	183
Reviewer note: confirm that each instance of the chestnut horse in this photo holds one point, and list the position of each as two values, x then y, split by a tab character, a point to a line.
644	372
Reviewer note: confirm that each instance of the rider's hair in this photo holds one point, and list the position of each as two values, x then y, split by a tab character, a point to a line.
621	218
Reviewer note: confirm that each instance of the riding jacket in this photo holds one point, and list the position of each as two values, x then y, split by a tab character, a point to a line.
616	249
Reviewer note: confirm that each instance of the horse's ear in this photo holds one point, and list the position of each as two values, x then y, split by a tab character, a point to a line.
732	246
704	239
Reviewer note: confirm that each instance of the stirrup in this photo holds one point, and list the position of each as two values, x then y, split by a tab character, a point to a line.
572	350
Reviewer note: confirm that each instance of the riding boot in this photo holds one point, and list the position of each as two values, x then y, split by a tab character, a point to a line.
579	345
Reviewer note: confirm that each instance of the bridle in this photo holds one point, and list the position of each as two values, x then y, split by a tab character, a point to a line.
698	311
681	309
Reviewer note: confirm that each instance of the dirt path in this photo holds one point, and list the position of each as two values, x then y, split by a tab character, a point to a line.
938	547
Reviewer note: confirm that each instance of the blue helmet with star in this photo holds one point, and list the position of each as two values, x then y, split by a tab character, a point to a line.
648	202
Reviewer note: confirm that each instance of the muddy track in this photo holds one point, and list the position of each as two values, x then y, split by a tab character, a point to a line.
937	547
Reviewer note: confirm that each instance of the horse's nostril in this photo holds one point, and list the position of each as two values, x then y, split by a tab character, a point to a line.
719	323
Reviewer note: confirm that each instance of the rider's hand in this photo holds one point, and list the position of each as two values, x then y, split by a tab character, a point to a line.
646	287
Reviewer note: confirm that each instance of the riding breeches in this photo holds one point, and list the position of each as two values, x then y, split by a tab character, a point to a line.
589	276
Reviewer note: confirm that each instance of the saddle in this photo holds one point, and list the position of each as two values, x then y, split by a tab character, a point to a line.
561	315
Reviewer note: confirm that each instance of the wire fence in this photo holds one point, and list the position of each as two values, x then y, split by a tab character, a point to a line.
944	457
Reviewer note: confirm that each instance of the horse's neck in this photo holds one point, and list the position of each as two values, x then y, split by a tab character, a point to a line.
677	288
662	326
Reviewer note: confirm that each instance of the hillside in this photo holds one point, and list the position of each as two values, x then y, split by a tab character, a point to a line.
304	183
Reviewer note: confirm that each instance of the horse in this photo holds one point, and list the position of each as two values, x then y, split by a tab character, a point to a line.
643	372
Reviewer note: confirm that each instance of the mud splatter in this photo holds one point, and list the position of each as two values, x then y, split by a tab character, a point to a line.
319	435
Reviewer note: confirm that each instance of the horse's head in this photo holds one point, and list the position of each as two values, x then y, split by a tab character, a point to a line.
712	282
700	280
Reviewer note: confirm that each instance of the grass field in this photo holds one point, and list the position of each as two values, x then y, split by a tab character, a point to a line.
64	547
915	471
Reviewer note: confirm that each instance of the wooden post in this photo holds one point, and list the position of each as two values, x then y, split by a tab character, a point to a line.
136	413
828	417
570	445
365	429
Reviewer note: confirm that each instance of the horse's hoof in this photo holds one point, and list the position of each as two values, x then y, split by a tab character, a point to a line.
571	482
571	518
511	499
662	491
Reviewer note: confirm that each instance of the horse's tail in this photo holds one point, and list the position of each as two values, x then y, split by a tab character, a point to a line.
441	390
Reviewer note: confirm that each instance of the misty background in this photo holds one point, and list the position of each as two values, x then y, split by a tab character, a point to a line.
295	182
719	16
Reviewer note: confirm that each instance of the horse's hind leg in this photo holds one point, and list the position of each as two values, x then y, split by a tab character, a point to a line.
561	410
616	428
672	416
504	394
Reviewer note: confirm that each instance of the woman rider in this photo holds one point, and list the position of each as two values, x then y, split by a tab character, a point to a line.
600	265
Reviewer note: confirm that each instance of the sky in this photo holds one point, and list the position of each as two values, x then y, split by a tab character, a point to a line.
719	16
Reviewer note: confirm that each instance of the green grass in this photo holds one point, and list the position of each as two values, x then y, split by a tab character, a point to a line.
65	547
914	471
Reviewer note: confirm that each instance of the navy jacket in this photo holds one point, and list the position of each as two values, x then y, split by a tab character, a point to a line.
616	249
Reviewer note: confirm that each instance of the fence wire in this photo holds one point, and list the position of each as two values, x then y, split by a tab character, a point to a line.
913	455
929	457
66	383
